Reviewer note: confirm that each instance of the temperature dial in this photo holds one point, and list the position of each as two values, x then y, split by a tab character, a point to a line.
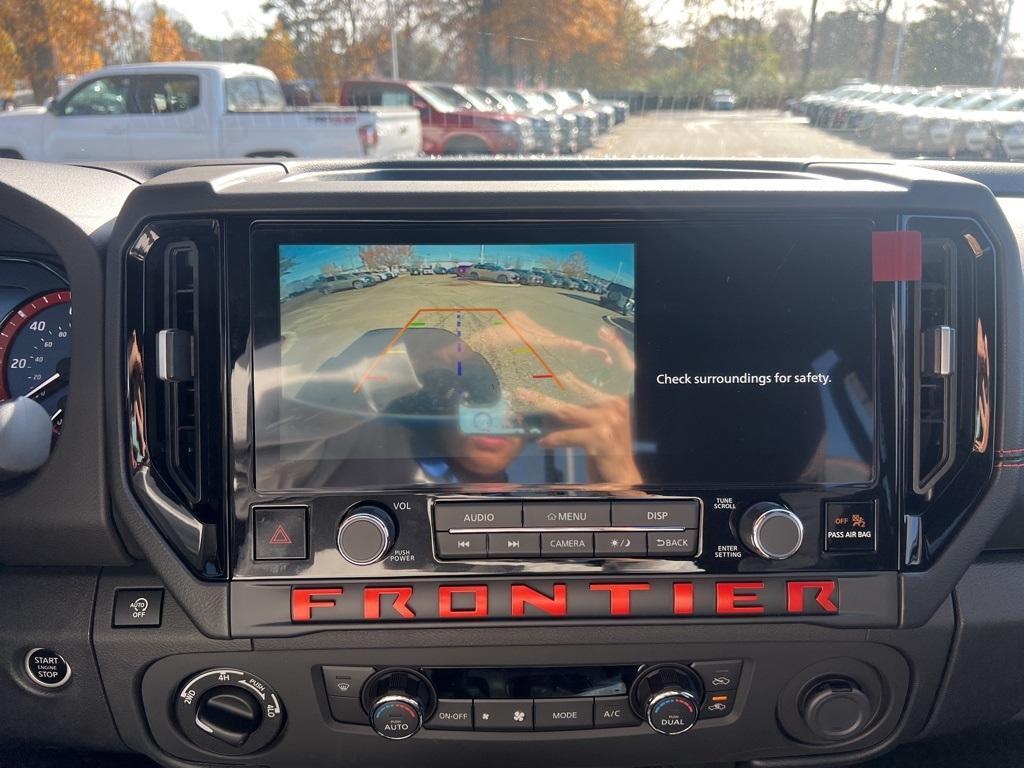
399	701
668	697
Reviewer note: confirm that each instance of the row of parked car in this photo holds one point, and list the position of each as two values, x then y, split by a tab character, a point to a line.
944	121
199	110
459	119
611	295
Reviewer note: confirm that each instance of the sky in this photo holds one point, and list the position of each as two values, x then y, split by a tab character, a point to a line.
222	18
606	260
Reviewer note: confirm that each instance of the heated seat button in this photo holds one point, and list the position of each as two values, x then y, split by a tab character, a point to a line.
672	544
719	675
503	714
567	544
566	514
513	545
462	545
452	715
457	515
656	513
563	714
280	533
613	712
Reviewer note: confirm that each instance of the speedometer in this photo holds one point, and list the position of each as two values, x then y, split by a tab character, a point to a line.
35	352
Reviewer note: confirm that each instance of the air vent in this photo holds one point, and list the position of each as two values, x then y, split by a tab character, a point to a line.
176	365
935	375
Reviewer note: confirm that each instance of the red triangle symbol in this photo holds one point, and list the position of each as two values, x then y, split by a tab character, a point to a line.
280	536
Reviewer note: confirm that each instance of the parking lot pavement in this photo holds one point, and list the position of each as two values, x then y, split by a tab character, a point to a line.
743	133
533	336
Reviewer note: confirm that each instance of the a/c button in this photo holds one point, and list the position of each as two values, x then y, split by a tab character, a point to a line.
613	712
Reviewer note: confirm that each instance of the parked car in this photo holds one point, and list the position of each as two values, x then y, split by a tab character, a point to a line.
197	110
722	99
449	127
602	119
585	119
492	272
547	128
568	124
620	109
618	297
526	277
348	281
549	279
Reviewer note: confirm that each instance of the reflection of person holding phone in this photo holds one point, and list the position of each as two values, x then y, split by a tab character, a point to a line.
459	427
602	427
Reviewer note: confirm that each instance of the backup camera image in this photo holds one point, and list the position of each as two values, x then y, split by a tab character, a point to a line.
458	363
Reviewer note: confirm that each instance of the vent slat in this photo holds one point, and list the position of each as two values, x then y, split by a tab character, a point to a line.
934	392
180	314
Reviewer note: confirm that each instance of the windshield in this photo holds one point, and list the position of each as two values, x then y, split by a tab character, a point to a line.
842	79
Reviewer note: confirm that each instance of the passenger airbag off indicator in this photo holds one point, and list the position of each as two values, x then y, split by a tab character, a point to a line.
850	526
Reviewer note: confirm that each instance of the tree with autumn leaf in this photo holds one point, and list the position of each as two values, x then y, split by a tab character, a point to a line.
52	38
164	41
10	64
278	53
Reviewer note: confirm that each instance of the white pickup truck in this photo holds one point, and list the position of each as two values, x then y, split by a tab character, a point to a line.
198	110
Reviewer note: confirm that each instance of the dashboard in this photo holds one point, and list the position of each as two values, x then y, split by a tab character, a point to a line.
609	463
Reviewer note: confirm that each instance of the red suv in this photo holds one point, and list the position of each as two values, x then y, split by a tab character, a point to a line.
449	128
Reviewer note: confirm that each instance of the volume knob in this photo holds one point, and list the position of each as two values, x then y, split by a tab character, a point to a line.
771	531
366	535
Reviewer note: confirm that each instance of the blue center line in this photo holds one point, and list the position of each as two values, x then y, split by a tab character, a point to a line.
458	333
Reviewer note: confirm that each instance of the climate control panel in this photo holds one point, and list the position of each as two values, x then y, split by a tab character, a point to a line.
396	702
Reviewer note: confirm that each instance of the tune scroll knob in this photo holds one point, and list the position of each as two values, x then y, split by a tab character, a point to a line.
668	697
366	535
771	531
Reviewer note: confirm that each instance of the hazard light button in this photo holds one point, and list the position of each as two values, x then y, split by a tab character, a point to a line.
280	533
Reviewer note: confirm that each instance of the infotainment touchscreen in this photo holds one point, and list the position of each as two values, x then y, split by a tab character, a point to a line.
671	355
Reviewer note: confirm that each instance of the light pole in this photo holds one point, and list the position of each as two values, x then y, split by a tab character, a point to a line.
392	22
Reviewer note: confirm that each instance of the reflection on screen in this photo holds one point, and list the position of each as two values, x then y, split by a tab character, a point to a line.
431	364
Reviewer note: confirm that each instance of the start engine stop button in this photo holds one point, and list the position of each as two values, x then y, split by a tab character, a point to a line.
47	668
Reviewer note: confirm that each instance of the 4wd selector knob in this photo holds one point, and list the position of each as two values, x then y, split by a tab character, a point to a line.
366	535
668	697
228	711
771	531
229	714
